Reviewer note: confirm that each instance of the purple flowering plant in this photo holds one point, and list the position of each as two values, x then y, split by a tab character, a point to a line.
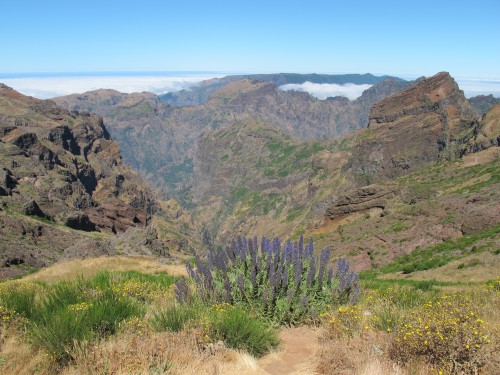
284	282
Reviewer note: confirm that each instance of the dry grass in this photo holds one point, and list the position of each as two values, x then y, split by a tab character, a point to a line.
17	357
158	353
364	354
69	270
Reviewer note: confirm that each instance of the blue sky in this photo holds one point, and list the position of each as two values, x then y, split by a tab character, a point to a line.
390	37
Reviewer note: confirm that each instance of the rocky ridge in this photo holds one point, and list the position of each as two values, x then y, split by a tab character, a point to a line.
201	92
427	122
62	181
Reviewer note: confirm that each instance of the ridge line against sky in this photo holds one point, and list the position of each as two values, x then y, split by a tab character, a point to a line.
392	37
48	86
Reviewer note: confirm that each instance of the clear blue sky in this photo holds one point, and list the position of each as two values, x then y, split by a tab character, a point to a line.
462	37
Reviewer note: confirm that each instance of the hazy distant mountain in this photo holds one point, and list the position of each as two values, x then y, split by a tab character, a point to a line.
199	94
483	103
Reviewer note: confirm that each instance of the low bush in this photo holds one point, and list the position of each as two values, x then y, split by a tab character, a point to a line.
448	334
174	318
240	330
345	322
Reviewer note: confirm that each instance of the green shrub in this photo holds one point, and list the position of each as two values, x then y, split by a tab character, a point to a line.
59	325
59	315
240	330
174	318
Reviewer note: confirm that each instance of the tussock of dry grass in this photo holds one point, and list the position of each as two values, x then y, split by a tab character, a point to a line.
157	353
362	354
18	356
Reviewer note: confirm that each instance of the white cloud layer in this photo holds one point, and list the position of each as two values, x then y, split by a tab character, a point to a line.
473	87
52	86
49	87
324	90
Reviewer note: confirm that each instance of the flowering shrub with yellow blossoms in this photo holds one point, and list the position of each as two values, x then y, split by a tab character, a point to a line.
447	333
345	321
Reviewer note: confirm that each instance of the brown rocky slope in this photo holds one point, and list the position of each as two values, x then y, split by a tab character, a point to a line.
63	186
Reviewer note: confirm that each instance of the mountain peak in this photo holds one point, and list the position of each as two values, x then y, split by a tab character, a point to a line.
429	121
428	94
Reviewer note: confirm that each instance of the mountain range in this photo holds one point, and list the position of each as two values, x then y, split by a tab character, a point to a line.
159	140
374	178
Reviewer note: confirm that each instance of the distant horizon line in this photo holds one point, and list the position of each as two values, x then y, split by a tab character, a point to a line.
119	73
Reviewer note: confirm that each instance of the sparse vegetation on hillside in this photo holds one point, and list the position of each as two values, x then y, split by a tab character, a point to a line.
443	253
414	330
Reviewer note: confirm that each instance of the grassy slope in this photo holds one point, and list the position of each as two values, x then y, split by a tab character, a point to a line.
266	181
437	204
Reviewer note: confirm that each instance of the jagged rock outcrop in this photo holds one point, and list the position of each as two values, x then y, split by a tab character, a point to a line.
59	161
361	199
33	209
7	181
429	121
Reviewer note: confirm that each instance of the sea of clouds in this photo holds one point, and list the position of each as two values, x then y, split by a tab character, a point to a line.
325	90
474	87
49	86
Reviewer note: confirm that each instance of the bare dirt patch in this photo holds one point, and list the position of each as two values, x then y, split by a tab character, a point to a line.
296	355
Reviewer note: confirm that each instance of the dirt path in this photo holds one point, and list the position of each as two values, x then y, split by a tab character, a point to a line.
296	354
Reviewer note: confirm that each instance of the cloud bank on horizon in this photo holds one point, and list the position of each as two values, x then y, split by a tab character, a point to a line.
45	87
53	86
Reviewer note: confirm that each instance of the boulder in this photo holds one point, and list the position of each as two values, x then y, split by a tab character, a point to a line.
33	209
360	199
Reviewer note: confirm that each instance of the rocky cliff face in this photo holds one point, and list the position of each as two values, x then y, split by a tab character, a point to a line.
60	170
427	122
67	163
